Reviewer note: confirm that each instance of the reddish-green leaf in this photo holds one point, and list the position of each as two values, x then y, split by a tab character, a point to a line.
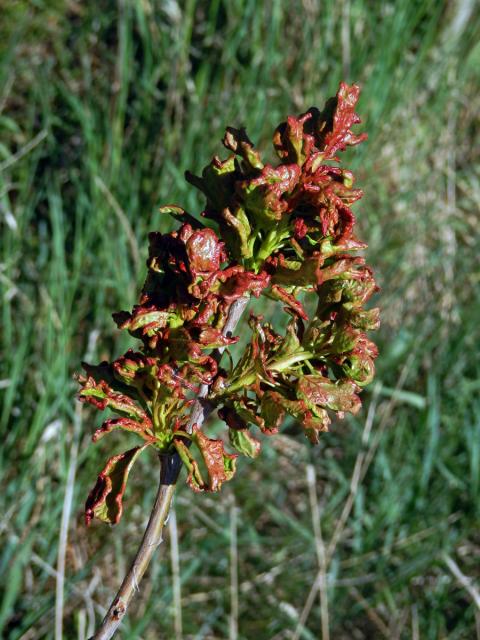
101	395
220	465
105	499
243	442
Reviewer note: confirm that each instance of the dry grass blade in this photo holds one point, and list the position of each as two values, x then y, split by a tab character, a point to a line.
355	479
364	460
371	613
66	511
462	579
321	581
175	558
234	599
25	150
122	218
415	623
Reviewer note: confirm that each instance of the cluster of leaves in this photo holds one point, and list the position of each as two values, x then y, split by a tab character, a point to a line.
285	232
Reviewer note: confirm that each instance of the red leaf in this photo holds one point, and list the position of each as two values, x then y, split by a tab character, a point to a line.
105	500
101	395
127	425
326	132
281	294
205	252
236	283
219	464
340	134
323	392
209	337
291	140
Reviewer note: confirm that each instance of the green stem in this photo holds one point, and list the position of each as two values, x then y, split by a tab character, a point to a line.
285	363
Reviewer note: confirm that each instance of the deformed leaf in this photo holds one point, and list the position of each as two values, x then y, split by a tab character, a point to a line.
279	293
342	118
204	251
217	182
143	430
243	441
194	479
321	391
101	395
265	195
105	499
220	465
238	141
181	215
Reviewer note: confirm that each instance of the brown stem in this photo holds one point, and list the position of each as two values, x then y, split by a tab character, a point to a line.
201	409
170	466
151	540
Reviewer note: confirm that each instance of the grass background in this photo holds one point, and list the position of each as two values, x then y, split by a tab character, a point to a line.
103	105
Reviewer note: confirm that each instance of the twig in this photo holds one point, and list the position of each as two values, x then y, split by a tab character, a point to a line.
151	539
201	409
170	468
175	557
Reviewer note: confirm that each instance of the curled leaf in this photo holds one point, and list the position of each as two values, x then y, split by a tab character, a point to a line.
279	293
340	116
324	132
105	500
101	395
243	441
266	195
194	479
143	430
237	141
220	465
320	391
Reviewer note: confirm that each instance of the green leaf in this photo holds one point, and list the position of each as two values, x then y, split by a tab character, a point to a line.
194	478
243	441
